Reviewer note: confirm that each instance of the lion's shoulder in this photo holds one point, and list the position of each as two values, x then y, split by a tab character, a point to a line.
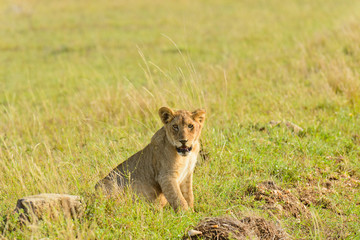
159	137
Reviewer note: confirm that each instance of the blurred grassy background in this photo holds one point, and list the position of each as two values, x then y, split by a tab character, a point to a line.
81	82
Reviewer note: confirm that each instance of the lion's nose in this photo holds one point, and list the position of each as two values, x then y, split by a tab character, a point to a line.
183	142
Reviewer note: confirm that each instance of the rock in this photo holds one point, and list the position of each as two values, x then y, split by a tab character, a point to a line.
291	126
51	205
295	128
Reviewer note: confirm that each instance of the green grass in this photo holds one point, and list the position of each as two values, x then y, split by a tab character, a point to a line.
81	83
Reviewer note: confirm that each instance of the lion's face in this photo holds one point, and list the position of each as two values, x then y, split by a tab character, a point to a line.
183	128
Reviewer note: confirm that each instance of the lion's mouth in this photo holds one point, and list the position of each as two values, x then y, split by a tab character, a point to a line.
184	149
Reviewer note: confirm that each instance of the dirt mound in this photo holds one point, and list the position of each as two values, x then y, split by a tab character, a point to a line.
223	228
313	196
279	200
317	192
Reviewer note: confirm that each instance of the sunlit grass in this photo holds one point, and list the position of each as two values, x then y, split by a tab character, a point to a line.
81	83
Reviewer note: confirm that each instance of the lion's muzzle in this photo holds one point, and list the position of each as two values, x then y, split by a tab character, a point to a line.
184	150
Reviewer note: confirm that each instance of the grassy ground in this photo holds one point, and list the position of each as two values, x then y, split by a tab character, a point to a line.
81	82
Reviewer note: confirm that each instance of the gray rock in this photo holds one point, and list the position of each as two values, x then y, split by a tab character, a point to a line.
291	126
50	205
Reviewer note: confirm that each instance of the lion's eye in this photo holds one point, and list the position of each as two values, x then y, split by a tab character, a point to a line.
190	126
175	127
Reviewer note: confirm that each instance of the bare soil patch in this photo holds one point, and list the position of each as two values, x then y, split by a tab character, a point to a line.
223	228
316	192
279	200
311	196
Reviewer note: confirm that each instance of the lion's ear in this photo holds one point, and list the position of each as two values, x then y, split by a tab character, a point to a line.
166	114
199	115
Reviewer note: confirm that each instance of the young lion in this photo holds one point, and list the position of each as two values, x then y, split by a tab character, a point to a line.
163	170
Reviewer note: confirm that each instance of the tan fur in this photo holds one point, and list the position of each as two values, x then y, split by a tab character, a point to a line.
161	171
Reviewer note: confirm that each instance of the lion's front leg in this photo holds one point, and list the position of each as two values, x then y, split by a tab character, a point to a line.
187	190
172	192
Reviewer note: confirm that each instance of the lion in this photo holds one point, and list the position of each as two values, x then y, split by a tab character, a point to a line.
163	170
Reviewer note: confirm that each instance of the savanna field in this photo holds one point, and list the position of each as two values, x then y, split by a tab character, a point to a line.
81	83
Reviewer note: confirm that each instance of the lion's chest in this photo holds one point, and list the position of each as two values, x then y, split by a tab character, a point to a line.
187	167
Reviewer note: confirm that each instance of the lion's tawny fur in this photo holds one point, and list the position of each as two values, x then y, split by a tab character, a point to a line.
163	170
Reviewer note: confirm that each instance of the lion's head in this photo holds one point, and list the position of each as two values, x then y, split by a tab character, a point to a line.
182	128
